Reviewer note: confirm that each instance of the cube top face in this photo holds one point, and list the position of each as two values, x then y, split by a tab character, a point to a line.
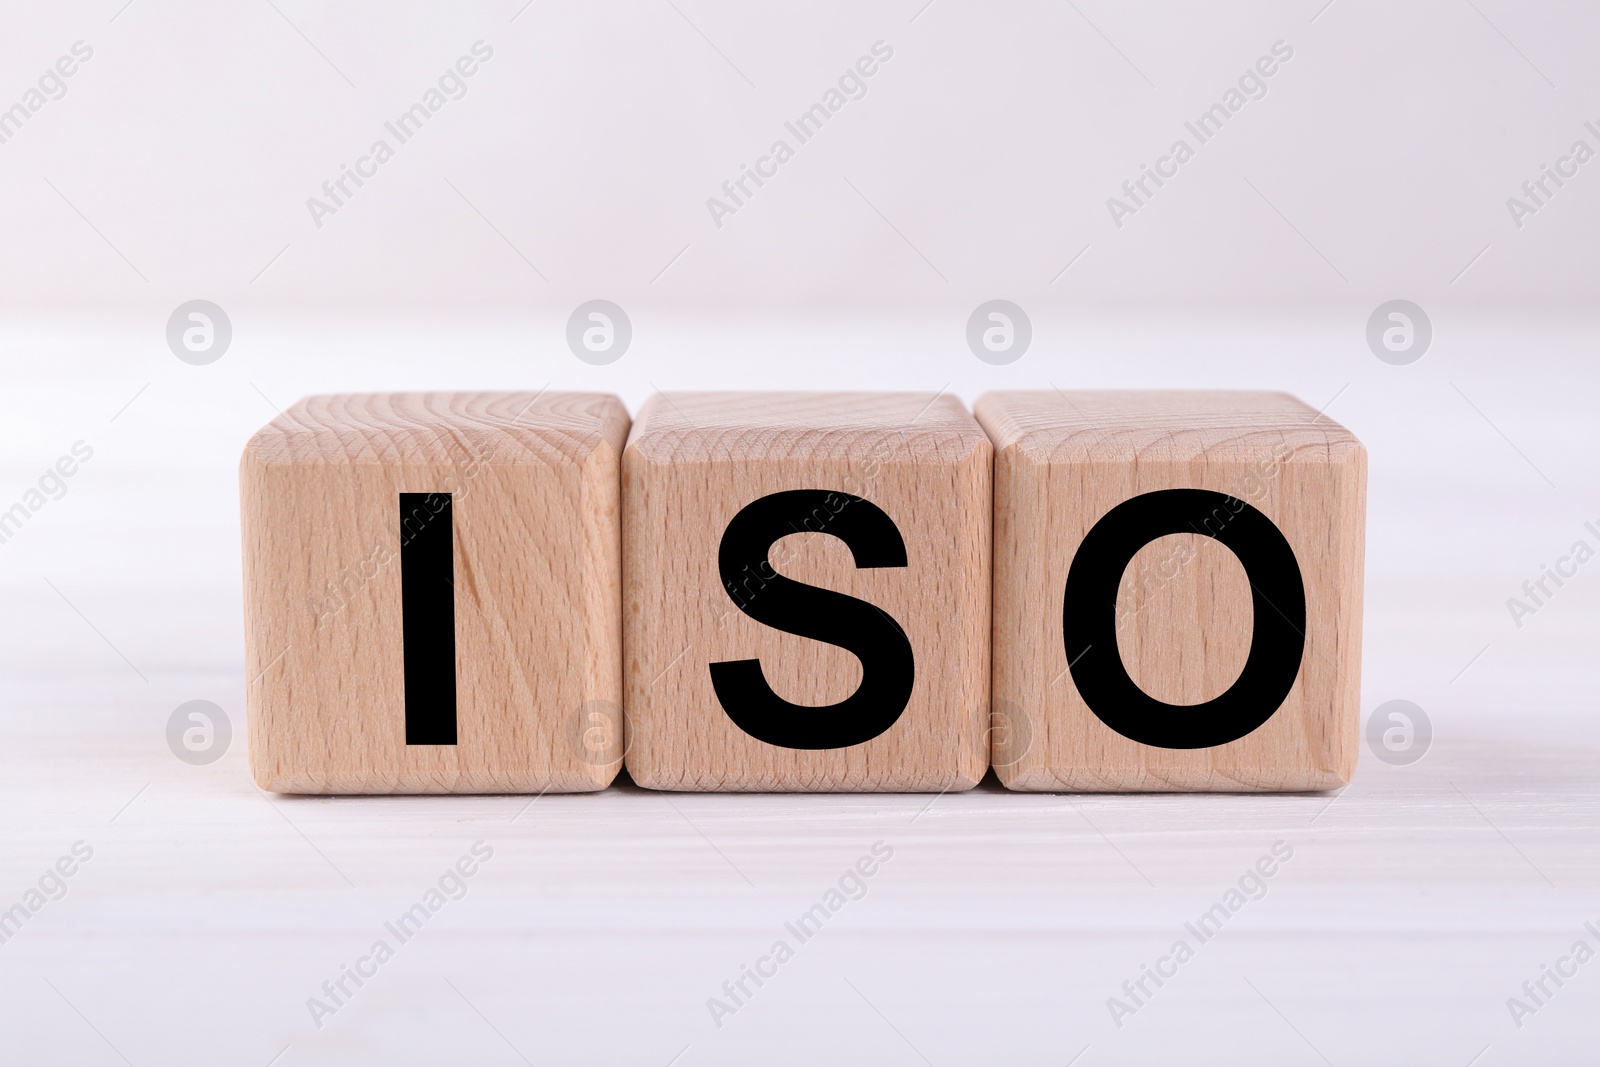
739	507
426	428
1163	426
705	427
432	595
1164	538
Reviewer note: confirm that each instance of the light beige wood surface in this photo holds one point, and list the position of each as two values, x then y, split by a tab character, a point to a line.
693	461
1184	612
537	536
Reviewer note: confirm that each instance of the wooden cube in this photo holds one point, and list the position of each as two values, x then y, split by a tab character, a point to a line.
806	590
432	593
1177	597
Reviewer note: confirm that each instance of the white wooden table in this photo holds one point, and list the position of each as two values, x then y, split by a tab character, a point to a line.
1416	902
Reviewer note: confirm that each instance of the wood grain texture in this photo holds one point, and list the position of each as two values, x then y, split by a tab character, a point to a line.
1184	611
537	536
693	461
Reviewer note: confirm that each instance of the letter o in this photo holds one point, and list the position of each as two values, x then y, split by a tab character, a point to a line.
1089	620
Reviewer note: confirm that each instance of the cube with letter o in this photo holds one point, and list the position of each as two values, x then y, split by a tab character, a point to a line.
1177	591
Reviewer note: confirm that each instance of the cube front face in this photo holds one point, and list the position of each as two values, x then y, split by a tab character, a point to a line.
360	576
1199	650
732	499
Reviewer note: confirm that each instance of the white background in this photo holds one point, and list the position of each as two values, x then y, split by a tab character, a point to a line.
577	166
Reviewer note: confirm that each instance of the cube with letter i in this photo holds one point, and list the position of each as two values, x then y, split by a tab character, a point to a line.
432	593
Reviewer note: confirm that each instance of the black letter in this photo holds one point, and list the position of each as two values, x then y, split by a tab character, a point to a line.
1089	619
428	618
820	614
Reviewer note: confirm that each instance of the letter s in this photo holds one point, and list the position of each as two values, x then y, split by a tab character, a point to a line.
82	450
883	51
81	50
483	51
83	850
821	615
1283	50
482	849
